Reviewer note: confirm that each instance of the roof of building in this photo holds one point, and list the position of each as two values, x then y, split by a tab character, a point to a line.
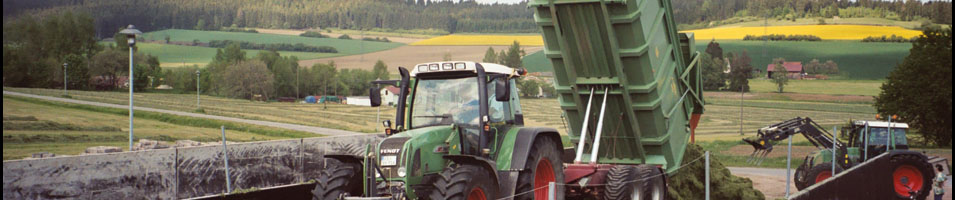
790	66
392	89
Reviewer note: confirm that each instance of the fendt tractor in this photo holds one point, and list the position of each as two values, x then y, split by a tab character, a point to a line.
625	81
911	171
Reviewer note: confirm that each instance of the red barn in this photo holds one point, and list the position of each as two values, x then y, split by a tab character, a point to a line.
794	70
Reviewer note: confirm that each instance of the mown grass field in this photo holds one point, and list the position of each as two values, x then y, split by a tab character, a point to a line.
32	125
826	32
337	116
856	60
833	87
177	55
475	39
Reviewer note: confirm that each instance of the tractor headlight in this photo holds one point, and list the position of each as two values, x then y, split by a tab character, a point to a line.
401	171
459	66
433	67
446	66
422	68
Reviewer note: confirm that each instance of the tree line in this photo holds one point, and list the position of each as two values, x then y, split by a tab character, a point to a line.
446	16
273	46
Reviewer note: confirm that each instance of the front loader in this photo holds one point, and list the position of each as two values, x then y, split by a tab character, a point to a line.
909	172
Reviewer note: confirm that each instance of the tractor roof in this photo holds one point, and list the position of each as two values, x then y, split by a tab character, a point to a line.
451	66
880	124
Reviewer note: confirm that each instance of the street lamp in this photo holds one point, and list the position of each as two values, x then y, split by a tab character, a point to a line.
130	33
197	90
64	78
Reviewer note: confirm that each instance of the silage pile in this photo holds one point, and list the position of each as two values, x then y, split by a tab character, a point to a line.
689	181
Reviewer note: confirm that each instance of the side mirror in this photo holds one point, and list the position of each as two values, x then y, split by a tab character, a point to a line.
502	90
374	96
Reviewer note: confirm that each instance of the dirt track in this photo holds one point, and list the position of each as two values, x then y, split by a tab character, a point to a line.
407	56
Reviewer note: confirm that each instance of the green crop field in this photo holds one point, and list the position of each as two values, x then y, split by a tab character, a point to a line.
32	125
178	55
346	47
856	60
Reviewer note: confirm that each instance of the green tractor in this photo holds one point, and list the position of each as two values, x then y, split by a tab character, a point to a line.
459	136
910	170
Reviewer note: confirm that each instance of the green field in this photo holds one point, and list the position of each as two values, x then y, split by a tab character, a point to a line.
345	47
856	60
32	125
178	55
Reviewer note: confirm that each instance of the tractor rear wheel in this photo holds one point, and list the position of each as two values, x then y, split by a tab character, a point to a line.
543	166
911	173
337	180
820	173
464	182
629	182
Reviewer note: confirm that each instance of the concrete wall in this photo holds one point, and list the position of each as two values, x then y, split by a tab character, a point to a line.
175	173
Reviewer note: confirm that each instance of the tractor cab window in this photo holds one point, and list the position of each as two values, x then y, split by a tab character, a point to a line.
880	135
497	111
446	102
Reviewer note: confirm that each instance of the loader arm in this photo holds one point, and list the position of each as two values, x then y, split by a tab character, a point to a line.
767	136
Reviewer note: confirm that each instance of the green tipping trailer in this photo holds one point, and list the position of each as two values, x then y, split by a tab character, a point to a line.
626	77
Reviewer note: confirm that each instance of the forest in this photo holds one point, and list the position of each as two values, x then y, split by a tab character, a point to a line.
427	15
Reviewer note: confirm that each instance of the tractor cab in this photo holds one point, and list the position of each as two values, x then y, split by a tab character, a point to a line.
876	137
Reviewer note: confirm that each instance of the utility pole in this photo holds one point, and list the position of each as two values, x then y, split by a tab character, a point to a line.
197	90
740	109
130	33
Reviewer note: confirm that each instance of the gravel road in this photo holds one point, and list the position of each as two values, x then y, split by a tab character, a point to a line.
303	128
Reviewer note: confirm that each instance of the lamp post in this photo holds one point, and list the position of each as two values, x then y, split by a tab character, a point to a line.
130	33
64	78
197	90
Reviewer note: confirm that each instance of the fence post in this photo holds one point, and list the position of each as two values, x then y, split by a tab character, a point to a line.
225	154
789	155
833	172
552	191
707	171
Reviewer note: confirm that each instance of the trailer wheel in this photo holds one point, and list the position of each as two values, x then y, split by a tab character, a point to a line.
820	173
629	182
543	166
464	182
338	179
911	173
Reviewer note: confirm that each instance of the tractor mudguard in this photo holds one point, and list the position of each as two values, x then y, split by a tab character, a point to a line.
519	147
909	152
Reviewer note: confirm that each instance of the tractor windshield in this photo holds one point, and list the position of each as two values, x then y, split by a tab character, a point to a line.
880	135
446	102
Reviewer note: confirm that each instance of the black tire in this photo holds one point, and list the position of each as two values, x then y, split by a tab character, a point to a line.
457	183
629	182
921	165
543	149
799	178
813	176
338	179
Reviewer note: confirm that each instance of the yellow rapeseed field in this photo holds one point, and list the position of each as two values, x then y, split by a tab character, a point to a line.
467	39
826	32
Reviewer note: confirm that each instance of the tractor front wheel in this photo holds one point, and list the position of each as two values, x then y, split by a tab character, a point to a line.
339	179
820	173
543	166
464	182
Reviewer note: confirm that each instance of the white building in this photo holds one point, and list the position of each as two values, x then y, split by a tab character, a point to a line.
389	95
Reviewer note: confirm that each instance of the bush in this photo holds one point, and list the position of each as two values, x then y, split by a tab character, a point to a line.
376	39
781	37
313	34
237	29
278	46
344	37
893	38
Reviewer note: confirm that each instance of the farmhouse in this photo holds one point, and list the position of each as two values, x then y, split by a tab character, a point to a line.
794	70
389	95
